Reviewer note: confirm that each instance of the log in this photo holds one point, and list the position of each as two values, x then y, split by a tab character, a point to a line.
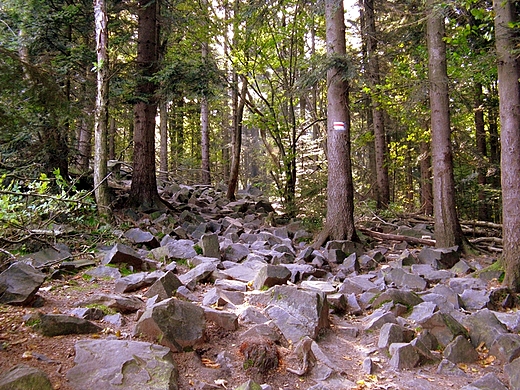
397	237
496	240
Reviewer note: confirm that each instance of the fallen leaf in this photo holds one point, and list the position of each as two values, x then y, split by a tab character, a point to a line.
27	355
19	341
210	363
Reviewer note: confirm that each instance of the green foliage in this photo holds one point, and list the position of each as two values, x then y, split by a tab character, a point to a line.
27	205
197	249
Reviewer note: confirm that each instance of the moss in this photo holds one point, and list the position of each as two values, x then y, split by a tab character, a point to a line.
105	309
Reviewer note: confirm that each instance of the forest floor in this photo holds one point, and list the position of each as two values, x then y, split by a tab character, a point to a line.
20	344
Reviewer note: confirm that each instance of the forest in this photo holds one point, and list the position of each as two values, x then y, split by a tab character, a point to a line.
393	107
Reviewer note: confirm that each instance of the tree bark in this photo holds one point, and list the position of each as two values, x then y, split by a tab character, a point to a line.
237	137
380	147
143	191
509	98
426	179
340	190
163	133
101	115
447	228
480	135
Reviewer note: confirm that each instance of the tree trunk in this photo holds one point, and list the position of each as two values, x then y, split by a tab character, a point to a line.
447	228
370	34
426	179
237	137
84	145
480	135
205	150
112	139
163	133
143	192
101	116
340	190
509	98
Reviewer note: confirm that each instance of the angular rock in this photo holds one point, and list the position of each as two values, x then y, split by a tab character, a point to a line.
404	355
487	382
353	305
235	252
116	302
91	314
223	319
122	364
348	247
138	236
60	324
460	350
164	287
198	274
19	284
431	275
506	347
180	249
402	279
439	258
271	275
422	311
392	333
446	367
337	256
47	257
104	271
405	297
512	371
298	313
475	299
377	319
357	285
338	303
459	285
231	285
484	327
23	377
449	294
134	282
176	324
122	254
352	264
115	320
444	327
318	285
210	245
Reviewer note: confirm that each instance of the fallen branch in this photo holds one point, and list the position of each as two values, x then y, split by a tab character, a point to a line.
496	240
397	237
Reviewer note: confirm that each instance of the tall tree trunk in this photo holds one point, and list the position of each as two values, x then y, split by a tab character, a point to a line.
163	133
381	153
204	109
480	135
509	98
101	116
84	144
340	190
426	179
237	137
448	232
112	130
205	149
143	192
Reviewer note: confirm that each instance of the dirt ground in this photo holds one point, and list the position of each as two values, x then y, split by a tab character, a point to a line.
19	343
